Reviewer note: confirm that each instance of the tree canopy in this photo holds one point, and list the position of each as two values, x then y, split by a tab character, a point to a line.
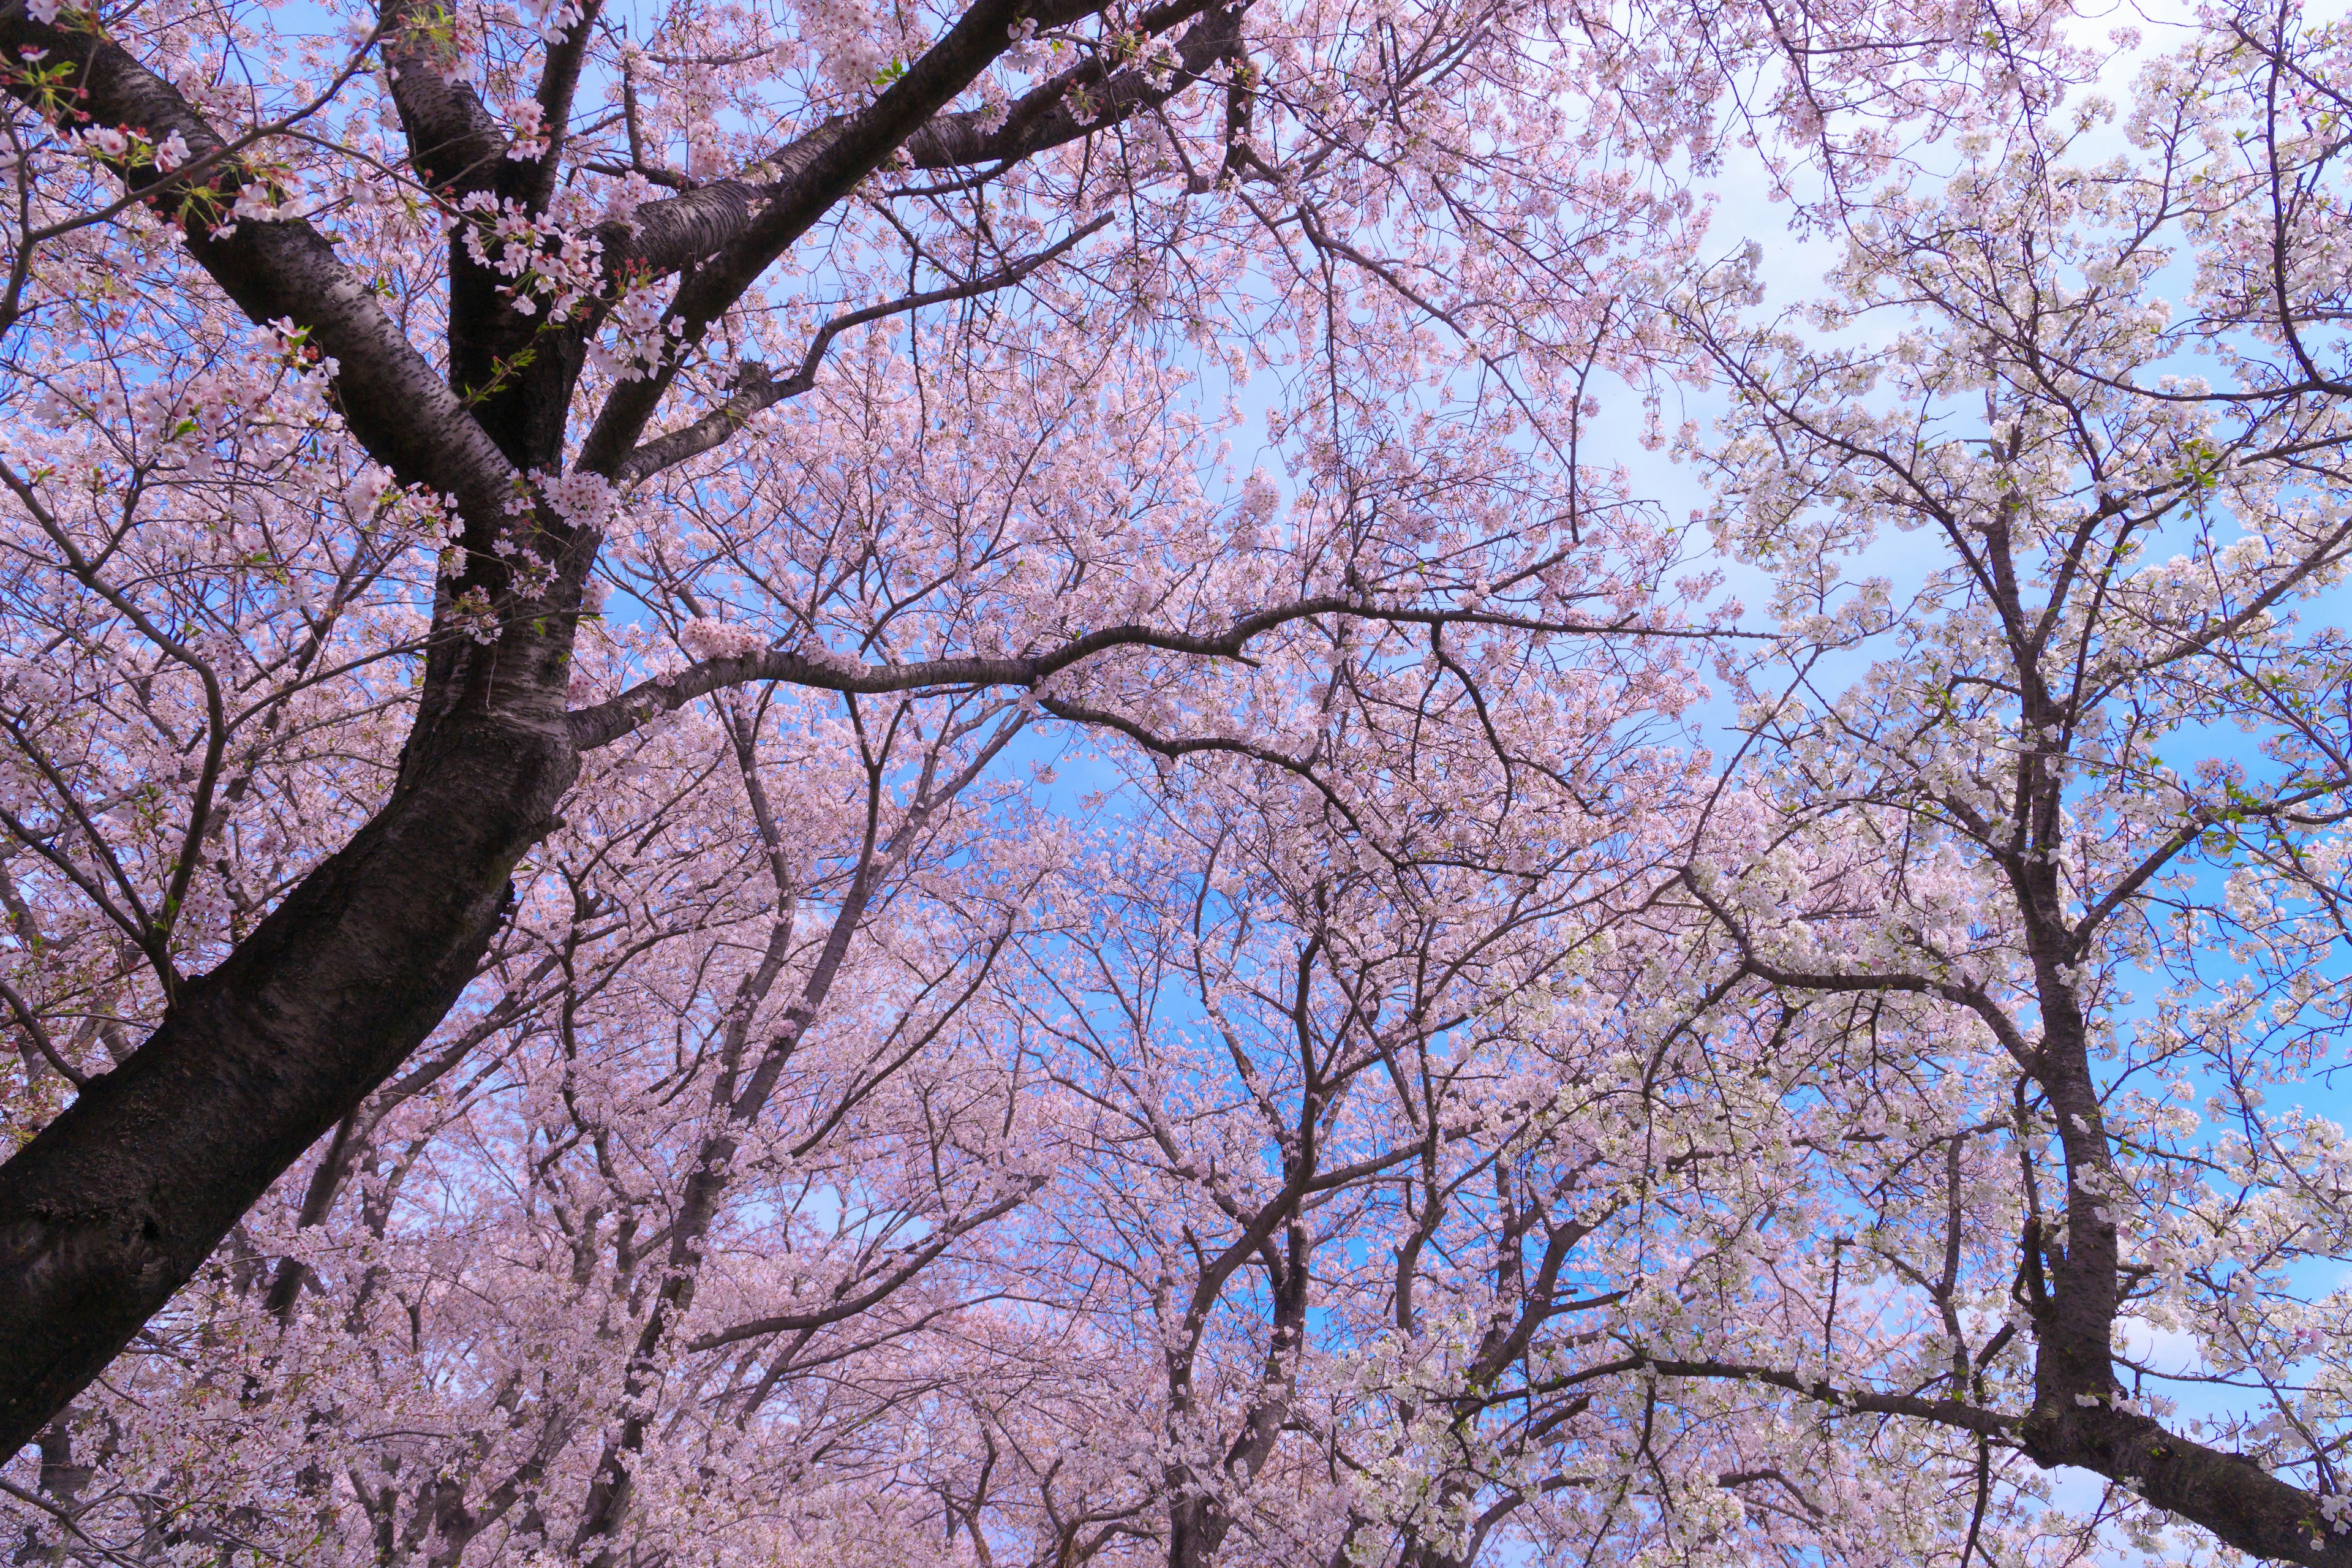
788	782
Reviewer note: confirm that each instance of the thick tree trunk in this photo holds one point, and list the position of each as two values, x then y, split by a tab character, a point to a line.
1195	1528
118	1202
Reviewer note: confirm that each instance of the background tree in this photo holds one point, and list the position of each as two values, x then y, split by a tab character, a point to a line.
2051	886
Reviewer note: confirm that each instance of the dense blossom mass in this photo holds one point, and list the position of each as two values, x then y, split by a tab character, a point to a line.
814	782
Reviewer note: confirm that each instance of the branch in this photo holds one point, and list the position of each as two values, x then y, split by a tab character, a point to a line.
1185	746
1943	1412
1042	118
558	81
2231	1495
853	151
786	1322
1968	996
609	720
389	396
674	233
756	391
29	1021
453	141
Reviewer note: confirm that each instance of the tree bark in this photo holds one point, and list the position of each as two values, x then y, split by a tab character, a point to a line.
117	1202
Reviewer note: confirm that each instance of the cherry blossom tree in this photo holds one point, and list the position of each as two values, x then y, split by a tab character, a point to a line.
704	1143
526	282
692	873
760	1140
2035	861
1284	1011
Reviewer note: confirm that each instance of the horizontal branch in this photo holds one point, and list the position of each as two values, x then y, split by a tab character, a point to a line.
2229	1494
609	720
1970	997
1943	1412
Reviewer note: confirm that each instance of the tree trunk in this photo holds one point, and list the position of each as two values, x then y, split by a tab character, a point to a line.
117	1202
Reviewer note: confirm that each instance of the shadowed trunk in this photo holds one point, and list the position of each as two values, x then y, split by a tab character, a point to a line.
118	1202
